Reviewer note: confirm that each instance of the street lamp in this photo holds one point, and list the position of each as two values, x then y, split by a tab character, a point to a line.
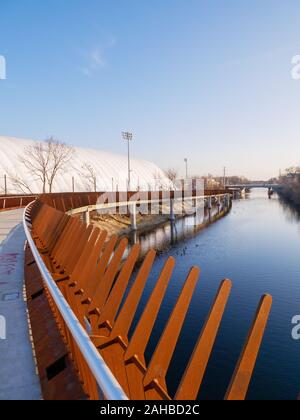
186	168
128	137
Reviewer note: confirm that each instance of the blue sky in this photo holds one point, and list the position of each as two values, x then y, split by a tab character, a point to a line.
209	80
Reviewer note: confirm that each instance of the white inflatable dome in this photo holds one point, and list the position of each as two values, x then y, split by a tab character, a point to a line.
111	171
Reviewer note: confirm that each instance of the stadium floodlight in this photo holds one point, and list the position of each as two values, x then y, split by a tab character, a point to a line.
127	136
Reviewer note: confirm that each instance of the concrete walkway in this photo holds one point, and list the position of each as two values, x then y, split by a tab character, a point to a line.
18	376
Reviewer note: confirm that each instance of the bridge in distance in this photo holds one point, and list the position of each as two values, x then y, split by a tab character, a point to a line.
267	185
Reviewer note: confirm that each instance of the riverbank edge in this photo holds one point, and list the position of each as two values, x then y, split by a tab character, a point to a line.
290	194
147	229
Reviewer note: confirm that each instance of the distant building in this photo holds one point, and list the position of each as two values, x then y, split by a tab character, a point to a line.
212	183
111	170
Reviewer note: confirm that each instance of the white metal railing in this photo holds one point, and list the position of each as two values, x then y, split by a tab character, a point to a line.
95	207
108	384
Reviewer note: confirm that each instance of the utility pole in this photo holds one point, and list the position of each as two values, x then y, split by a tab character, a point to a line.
128	137
224	177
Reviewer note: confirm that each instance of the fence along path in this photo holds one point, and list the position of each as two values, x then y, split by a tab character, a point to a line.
15	202
93	277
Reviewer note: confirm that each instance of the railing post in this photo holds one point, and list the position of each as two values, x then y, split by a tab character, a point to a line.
133	217
172	213
209	203
227	201
86	217
219	203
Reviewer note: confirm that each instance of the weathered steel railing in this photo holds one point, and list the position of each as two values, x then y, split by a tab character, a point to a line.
68	201
77	334
16	201
88	280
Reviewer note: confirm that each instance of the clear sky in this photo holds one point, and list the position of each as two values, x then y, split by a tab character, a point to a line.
209	80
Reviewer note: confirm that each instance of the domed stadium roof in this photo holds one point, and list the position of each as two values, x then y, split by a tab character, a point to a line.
111	171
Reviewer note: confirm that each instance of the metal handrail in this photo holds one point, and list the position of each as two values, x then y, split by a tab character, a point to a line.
103	375
108	206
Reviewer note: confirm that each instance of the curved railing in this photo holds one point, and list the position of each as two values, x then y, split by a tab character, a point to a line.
95	294
105	379
222	201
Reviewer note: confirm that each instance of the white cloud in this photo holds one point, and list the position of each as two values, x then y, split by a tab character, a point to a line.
95	59
2	68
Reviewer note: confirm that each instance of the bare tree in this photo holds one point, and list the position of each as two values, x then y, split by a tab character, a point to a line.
171	174
89	174
18	183
44	160
36	159
293	172
60	155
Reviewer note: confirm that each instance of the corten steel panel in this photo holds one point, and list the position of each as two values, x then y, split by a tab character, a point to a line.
94	278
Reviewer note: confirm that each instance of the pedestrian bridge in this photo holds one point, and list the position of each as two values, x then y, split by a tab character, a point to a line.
255	185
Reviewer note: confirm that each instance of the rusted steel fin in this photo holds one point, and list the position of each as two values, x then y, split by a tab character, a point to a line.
241	378
155	378
84	258
129	308
114	301
85	275
71	264
99	269
145	325
193	376
105	285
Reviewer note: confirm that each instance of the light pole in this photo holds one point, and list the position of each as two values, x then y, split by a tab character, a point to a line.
186	168
128	137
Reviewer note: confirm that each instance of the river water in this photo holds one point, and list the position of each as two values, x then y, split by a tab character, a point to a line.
257	246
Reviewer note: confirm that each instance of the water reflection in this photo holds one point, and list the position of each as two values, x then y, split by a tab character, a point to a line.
257	246
163	238
291	212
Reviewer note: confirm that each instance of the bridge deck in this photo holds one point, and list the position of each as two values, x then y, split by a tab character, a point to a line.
19	380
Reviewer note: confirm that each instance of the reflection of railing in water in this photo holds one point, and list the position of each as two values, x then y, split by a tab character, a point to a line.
86	284
170	233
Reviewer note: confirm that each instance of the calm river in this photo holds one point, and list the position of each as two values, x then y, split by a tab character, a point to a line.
257	246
